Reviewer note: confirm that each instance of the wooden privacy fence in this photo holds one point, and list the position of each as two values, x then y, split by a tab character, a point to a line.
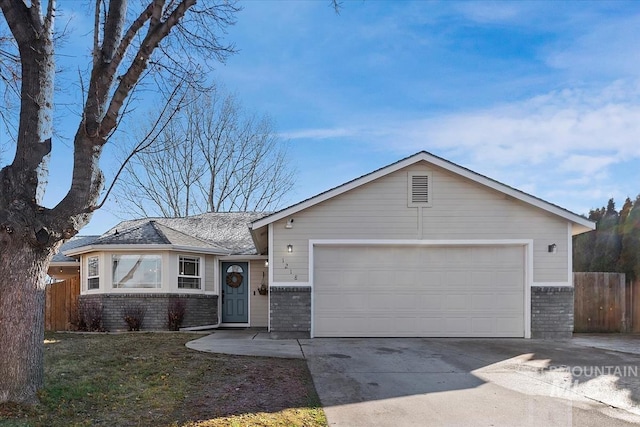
605	302
61	303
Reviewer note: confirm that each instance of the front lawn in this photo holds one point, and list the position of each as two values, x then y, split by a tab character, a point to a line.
152	379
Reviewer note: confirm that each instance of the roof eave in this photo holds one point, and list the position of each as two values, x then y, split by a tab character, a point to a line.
63	263
145	247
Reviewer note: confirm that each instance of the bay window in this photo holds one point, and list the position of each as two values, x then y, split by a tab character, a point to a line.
137	271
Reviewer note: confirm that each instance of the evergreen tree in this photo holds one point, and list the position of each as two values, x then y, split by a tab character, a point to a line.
629	261
624	212
607	242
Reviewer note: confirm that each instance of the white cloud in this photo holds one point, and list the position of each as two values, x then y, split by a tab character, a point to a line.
556	125
570	138
318	133
586	164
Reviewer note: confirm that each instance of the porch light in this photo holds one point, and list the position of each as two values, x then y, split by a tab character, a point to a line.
553	248
266	263
289	248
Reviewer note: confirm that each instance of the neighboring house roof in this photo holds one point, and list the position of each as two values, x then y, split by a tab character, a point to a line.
581	224
74	242
225	233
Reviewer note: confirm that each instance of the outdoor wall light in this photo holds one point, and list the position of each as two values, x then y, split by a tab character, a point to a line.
553	248
266	263
289	223
289	248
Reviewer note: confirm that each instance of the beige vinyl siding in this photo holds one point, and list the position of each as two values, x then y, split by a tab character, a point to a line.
461	209
259	304
210	273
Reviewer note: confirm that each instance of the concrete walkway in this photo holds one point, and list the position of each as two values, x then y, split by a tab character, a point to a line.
257	342
247	342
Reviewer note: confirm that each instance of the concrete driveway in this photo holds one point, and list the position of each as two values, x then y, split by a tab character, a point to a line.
473	382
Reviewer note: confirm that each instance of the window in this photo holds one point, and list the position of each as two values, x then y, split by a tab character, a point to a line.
189	273
419	189
137	271
93	273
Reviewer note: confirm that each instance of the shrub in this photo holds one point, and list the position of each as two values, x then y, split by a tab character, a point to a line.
175	313
133	314
89	317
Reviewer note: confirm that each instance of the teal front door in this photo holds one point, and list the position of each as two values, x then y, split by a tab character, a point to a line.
235	292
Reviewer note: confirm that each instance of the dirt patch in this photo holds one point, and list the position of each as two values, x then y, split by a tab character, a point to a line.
253	385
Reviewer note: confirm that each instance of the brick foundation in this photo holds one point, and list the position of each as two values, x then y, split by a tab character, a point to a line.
290	309
201	310
551	312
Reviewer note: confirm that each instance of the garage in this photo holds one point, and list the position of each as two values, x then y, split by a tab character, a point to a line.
418	291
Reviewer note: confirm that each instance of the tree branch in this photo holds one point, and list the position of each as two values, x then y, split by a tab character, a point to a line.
145	143
150	42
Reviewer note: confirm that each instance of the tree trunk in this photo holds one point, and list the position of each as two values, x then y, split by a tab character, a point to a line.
22	295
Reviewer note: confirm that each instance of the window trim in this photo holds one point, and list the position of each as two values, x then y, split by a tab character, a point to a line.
159	273
410	202
97	276
200	275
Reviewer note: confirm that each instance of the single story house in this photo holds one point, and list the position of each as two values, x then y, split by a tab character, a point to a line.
420	248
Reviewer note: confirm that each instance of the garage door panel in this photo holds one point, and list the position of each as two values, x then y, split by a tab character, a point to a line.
329	278
405	301
457	325
505	302
431	326
483	302
453	302
428	279
431	301
508	326
508	278
404	278
456	278
419	291
483	278
482	325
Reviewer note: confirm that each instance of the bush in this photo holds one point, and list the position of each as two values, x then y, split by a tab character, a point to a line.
175	313
89	317
133	314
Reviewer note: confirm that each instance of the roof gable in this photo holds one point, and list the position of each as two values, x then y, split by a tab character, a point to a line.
582	223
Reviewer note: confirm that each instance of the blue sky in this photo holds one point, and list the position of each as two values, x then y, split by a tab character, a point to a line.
542	96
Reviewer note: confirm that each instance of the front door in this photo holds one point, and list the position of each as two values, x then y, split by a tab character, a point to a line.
235	292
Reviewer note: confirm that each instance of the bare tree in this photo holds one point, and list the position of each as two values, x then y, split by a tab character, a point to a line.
161	180
214	157
171	39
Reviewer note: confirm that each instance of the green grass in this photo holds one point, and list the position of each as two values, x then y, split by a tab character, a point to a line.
152	379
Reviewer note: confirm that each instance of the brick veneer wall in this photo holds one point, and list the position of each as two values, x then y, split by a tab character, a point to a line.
201	310
290	309
551	312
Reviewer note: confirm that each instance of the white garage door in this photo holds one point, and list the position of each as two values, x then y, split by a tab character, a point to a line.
400	291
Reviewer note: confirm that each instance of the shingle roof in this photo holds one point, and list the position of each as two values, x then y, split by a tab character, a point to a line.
74	242
226	231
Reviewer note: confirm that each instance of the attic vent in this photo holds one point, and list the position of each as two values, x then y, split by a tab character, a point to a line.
419	189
